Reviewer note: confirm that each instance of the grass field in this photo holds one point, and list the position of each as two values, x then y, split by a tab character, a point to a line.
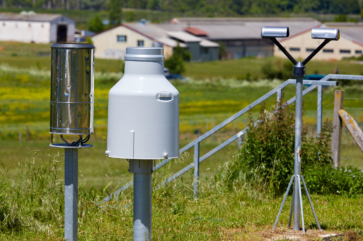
36	200
18	54
214	91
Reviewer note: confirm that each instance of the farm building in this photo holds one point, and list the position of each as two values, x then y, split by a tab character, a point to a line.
350	43
36	28
112	43
241	37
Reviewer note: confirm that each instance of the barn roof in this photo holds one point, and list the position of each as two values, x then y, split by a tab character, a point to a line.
352	31
239	28
183	36
29	17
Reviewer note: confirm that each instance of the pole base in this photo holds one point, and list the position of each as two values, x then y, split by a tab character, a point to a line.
298	178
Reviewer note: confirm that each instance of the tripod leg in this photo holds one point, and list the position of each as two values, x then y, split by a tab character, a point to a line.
311	204
301	205
292	204
282	204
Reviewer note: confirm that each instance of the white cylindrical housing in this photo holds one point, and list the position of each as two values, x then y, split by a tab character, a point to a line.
143	109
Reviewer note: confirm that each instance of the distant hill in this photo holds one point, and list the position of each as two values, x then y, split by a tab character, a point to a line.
163	10
206	7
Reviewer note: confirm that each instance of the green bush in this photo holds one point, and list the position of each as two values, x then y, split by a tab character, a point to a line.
267	155
277	69
129	16
341	18
347	181
95	24
175	63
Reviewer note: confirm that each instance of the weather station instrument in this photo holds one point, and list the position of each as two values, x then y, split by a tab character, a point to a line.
71	114
143	126
328	34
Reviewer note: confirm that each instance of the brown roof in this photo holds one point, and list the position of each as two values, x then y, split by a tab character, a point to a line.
196	31
352	31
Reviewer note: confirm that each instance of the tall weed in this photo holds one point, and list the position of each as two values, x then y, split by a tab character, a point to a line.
267	156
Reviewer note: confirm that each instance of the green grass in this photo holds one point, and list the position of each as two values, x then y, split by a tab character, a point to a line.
34	205
205	101
17	55
96	170
240	68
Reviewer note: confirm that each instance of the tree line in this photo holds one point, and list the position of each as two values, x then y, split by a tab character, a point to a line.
207	7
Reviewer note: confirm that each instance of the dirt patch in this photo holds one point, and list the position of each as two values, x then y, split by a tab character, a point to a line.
351	236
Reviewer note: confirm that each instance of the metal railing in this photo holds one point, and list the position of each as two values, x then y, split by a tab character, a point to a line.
278	91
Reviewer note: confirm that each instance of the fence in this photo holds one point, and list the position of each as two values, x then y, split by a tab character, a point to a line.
278	91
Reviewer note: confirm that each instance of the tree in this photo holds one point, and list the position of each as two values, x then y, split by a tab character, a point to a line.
115	12
341	18
95	24
175	63
129	16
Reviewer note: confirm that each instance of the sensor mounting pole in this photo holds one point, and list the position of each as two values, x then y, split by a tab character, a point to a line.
142	170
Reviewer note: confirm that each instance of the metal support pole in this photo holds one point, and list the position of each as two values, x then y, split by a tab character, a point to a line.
292	205
320	110
301	205
239	142
142	207
279	94
311	203
283	202
142	170
297	166
71	194
196	169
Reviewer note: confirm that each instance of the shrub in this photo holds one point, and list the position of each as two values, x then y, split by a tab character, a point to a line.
175	63
267	155
277	70
347	181
341	18
95	24
129	16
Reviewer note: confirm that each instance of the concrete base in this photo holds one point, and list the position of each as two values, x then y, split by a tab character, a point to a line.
309	235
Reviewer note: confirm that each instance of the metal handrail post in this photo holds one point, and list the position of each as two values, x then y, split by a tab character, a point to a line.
319	110
239	142
279	94
196	168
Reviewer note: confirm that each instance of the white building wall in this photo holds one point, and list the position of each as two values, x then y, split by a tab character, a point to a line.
23	31
62	21
107	46
303	42
70	33
35	32
53	33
